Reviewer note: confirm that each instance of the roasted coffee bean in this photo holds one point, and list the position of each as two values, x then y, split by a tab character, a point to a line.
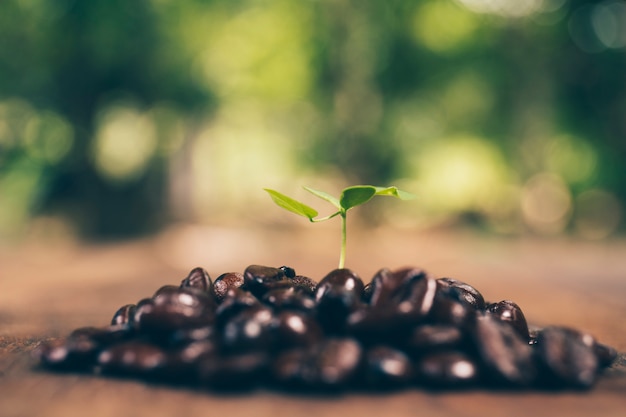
288	299
566	357
237	372
236	301
103	336
509	312
182	364
289	272
296	329
386	284
448	310
446	369
261	279
226	282
372	325
431	337
304	284
337	295
199	279
250	330
605	354
124	315
71	354
462	292
195	334
414	299
366	297
506	358
133	358
387	368
331	364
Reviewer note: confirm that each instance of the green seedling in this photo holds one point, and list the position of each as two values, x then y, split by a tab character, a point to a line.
350	197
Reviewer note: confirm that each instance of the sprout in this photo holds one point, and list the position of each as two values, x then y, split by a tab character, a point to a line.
350	197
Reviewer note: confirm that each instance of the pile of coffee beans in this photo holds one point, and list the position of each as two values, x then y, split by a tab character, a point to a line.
271	327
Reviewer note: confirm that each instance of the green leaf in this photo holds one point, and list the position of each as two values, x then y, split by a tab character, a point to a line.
394	192
324	196
356	195
292	205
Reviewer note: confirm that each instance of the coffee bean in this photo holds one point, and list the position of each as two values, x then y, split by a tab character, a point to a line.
103	336
304	284
372	325
236	301
446	369
448	310
462	292
198	278
509	312
260	279
337	295
414	299
239	372
566	357
296	329
288	299
225	282
432	337
386	284
250	330
72	354
606	354
387	368
133	358
288	271
124	315
507	358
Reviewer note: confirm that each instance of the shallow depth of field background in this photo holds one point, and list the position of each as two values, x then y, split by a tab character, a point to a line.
119	118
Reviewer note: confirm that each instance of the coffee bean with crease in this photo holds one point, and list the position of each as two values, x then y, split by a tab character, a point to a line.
414	299
260	279
71	354
566	357
509	312
387	368
505	357
199	279
124	315
133	358
250	330
386	284
288	299
462	292
448	310
182	365
447	369
293	328
372	325
337	295
226	282
236	301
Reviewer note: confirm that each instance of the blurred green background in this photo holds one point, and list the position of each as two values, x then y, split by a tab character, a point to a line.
120	117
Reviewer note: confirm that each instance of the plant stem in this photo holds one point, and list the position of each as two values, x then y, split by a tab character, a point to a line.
342	256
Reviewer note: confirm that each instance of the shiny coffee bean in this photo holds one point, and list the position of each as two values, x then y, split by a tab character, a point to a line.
260	279
462	292
103	336
124	315
288	299
566	358
337	295
182	364
133	358
446	369
237	372
509	312
288	271
414	299
72	354
432	337
226	282
386	284
448	310
387	368
199	279
236	301
371	326
294	329
507	358
250	330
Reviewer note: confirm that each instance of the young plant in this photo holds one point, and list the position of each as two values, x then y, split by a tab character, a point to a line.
350	197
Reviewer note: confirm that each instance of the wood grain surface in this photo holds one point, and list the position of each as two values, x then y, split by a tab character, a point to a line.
48	288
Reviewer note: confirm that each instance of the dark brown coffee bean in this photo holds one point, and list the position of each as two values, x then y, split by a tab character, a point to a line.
72	354
372	326
387	368
233	372
124	315
386	284
506	358
337	295
288	299
236	301
182	364
250	330
304	284
446	369
133	358
296	329
462	292
103	336
566	357
414	299
509	312
199	279
431	337
260	279
226	282
448	310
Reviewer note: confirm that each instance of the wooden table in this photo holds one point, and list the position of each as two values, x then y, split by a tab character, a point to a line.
48	289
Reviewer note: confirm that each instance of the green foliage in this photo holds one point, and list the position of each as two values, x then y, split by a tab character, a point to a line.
350	197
